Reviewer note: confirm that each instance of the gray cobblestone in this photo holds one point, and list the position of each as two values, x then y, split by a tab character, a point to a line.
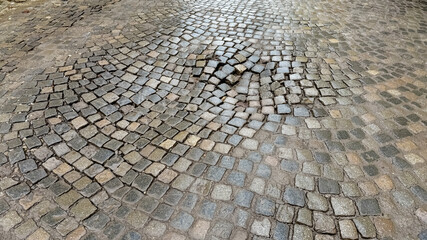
212	120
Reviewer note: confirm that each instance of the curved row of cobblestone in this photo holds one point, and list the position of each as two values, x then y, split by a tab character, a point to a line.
219	120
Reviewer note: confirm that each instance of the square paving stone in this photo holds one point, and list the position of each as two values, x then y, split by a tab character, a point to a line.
328	186
173	196
265	206
3	159
389	151
169	159
263	171
129	177
102	155
225	211
113	230
236	178
4	206
301	112
91	189
383	138
83	209
189	201
33	142
245	166
365	227
18	191
281	231
244	198
371	170
99	140
61	128
59	187
369	207
25	229
197	169
16	142
16	155
294	196
182	221
370	156
343	206
321	157
142	182
227	162
420	192
68	199
27	165
148	204
207	209
163	212
128	195
289	165
423	235
211	158
141	165
215	173
61	149
54	217
157	189
77	143
222	229
97	221
36	175
402	133
195	154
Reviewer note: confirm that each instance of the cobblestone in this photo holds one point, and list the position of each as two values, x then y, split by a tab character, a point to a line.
9	220
343	206
365	227
369	207
348	229
261	228
212	119
294	196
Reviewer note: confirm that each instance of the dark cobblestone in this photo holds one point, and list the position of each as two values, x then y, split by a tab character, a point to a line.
212	119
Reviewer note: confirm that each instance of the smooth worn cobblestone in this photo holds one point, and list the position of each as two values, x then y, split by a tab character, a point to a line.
124	119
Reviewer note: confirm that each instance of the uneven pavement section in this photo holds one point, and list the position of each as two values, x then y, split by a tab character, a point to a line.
214	120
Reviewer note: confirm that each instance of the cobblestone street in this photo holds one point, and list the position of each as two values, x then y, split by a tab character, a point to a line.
219	119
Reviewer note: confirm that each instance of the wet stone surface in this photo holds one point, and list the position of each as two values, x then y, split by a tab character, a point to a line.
213	120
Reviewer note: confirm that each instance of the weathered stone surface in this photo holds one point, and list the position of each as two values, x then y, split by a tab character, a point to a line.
294	196
365	227
213	120
261	228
